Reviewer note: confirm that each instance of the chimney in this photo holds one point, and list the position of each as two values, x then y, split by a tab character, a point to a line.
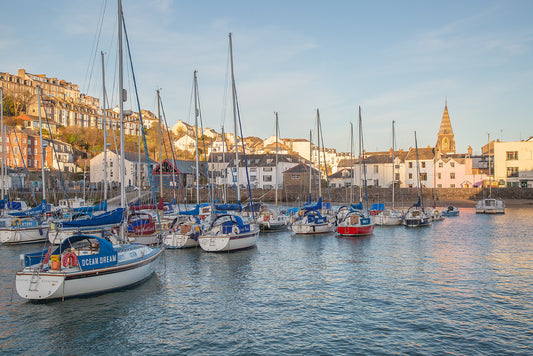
469	150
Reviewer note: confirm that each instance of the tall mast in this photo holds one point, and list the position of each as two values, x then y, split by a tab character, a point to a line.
361	157
121	108
105	129
276	169
139	162
196	138
490	177
393	170
224	162
3	141
235	119
418	173
318	145
310	162
41	139
160	151
351	164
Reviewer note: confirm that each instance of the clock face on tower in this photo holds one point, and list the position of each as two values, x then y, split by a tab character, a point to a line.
445	145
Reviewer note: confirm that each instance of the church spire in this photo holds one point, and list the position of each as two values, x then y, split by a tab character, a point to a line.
445	139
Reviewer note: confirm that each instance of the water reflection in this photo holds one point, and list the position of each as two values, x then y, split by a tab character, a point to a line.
460	286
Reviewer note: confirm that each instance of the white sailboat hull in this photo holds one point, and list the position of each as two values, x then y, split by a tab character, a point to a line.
229	242
173	240
312	228
23	235
55	285
388	218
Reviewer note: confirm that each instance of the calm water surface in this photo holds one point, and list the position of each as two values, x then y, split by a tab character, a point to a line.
463	286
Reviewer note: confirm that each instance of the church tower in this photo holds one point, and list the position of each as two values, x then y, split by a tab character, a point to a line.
445	139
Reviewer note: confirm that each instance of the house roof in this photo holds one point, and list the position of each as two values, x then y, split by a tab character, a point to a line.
343	173
300	168
424	154
184	166
134	157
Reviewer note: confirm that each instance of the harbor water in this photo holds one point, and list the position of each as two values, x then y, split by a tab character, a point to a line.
462	286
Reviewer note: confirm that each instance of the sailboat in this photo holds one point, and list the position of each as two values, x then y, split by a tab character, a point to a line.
186	227
310	219
230	232
357	222
490	205
268	219
26	226
390	217
416	215
88	264
80	219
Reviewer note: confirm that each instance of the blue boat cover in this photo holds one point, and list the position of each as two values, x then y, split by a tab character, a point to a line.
195	211
378	206
87	209
358	206
38	210
236	207
316	206
111	217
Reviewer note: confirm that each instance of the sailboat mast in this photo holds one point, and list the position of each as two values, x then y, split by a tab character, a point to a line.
139	163
351	164
276	168
41	139
318	144
160	151
418	173
361	157
3	141
393	170
490	176
196	138
121	108
104	124
310	162
224	163
235	120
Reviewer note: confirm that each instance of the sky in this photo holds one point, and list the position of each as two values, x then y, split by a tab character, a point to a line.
398	60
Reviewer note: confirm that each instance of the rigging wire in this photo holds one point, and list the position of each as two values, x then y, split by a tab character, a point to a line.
96	41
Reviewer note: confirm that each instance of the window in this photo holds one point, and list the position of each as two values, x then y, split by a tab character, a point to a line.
410	175
439	185
376	169
423	176
376	183
295	176
452	175
452	164
439	176
441	164
396	166
267	178
423	164
253	169
512	171
452	185
512	155
397	176
410	164
267	169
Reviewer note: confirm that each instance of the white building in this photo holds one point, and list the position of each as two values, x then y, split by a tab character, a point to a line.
186	143
261	169
132	168
513	162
